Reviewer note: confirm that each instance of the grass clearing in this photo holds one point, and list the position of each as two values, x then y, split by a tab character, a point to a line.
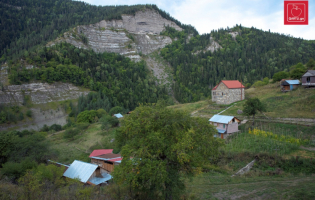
79	147
299	103
219	186
189	107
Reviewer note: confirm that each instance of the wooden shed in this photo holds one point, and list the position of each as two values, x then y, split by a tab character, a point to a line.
288	85
105	160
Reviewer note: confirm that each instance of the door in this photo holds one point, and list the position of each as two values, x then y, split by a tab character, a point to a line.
222	136
291	87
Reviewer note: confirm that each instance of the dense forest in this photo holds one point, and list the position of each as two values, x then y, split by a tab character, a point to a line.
28	23
252	55
118	79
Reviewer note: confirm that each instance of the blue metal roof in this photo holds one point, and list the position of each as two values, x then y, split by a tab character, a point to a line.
293	82
118	115
98	180
221	130
224	119
81	170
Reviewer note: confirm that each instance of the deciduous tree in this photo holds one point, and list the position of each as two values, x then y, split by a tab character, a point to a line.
164	146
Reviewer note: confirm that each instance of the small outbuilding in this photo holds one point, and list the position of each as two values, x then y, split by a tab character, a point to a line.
106	159
118	115
226	125
308	79
87	173
288	85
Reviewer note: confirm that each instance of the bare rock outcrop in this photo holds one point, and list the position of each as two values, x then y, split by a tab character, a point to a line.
129	36
39	93
213	45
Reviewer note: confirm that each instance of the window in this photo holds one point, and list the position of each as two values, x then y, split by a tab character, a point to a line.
223	125
308	79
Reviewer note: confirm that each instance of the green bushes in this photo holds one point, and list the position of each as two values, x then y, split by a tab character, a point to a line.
280	75
243	142
116	110
29	113
87	116
72	132
261	83
108	122
54	128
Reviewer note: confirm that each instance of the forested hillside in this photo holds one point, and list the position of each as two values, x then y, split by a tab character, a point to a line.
252	55
27	23
119	80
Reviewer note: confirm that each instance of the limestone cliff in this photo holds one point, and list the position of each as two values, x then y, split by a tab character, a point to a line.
39	93
130	36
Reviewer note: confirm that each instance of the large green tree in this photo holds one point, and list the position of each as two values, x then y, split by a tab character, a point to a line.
252	106
165	145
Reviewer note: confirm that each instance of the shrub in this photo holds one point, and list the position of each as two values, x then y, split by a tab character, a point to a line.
101	112
70	133
21	116
108	121
258	84
55	127
115	110
280	75
29	113
87	116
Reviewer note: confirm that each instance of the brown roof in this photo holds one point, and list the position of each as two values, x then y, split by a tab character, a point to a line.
109	155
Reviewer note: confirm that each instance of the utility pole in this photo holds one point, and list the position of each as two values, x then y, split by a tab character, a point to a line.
241	91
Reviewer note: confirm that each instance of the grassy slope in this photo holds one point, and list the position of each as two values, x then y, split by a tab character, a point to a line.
218	186
299	103
81	145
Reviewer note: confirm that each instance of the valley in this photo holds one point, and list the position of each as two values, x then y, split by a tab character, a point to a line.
63	79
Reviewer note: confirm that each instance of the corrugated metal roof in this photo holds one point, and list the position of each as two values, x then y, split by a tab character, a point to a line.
309	73
81	170
293	82
107	159
98	180
221	130
224	119
118	115
98	152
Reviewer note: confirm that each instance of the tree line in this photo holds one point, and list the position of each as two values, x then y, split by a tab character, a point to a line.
25	24
252	55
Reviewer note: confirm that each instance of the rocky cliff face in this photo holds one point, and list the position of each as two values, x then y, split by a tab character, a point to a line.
129	36
39	93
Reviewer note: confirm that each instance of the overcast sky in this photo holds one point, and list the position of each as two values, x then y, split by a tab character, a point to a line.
206	15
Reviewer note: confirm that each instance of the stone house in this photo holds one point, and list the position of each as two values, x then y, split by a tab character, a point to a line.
226	125
308	79
228	91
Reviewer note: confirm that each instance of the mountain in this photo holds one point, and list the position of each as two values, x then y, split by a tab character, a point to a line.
245	54
128	55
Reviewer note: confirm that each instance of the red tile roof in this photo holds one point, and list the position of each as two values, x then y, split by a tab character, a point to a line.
231	84
100	152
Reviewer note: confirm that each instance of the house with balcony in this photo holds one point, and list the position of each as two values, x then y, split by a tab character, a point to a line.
225	125
308	79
